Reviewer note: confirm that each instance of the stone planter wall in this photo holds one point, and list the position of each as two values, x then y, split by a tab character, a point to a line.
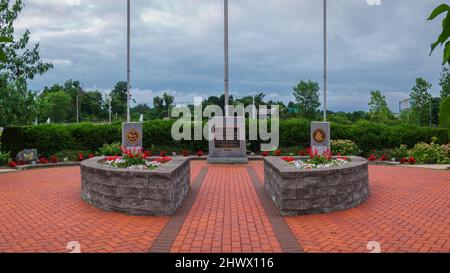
301	192
136	192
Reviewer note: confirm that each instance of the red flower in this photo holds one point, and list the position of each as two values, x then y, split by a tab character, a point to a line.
12	164
277	153
288	159
145	154
162	154
403	160
43	160
54	159
80	157
163	160
310	152
91	155
20	163
302	153
112	158
185	153
372	157
265	154
383	158
412	160
200	153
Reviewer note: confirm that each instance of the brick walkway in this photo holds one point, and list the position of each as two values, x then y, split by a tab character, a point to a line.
408	210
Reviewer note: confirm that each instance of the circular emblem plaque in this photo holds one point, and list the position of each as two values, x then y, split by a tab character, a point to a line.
132	136
319	136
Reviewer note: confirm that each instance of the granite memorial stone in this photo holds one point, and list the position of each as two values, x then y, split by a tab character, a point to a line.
132	135
227	144
27	156
320	137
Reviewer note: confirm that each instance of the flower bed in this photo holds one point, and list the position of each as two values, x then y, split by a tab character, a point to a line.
128	189
135	160
323	188
316	161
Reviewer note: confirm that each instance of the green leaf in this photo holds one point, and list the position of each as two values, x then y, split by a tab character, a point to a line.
6	40
2	56
446	53
439	10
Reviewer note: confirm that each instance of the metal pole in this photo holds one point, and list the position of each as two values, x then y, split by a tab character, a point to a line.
128	60
325	60
78	111
226	71
431	112
109	108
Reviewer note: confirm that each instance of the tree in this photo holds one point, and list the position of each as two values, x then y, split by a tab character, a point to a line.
444	36
420	100
20	62
379	110
444	82
91	105
168	103
119	99
73	89
16	103
163	105
307	96
444	114
53	105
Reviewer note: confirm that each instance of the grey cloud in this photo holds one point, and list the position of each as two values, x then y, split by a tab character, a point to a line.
177	45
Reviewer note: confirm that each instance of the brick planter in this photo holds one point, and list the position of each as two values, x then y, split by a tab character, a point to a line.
136	192
301	192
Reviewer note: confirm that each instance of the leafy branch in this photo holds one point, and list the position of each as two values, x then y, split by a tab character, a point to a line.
444	36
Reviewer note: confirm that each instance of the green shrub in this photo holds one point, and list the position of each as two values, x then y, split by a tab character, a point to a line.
111	149
4	158
399	153
71	156
345	147
429	154
51	139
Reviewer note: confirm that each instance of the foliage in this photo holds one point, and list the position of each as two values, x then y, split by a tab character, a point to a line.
119	99
16	103
54	106
4	158
421	100
111	149
345	147
444	114
444	82
445	35
379	110
92	106
163	105
50	139
429	154
20	63
307	96
400	152
71	156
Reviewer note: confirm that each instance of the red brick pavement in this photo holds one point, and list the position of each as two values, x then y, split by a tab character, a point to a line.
408	211
227	216
41	211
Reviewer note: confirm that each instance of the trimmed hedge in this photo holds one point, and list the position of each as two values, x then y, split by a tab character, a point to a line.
51	139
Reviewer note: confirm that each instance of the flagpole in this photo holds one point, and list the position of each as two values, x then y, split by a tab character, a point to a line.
128	60
325	60
226	68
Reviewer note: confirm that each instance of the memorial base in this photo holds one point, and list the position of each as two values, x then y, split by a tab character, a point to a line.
229	160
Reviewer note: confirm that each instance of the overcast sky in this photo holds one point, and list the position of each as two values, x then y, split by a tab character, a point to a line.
177	46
